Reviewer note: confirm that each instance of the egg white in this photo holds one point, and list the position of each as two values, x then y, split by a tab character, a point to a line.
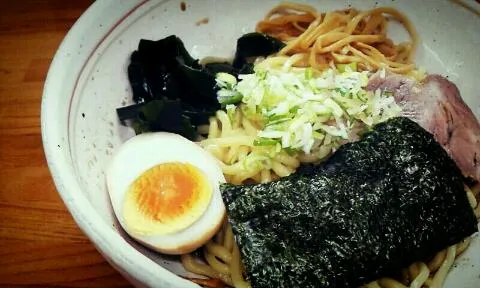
144	151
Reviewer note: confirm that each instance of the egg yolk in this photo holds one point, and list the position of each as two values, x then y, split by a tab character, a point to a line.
166	198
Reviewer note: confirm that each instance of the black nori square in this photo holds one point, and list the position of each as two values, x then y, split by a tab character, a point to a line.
374	207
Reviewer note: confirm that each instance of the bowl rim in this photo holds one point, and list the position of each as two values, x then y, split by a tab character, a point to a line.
137	267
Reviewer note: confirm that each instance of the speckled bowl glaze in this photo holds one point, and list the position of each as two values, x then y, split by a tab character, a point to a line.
87	81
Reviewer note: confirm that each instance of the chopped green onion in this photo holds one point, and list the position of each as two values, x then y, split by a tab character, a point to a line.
294	109
350	67
233	99
226	78
318	135
290	151
305	111
272	118
265	142
308	73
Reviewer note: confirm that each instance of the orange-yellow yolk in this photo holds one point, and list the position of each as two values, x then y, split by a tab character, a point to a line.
167	198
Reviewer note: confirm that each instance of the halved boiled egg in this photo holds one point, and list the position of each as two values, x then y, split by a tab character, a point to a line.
165	192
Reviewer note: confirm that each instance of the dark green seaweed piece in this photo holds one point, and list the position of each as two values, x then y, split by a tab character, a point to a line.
159	115
152	65
255	45
173	92
138	81
374	207
169	71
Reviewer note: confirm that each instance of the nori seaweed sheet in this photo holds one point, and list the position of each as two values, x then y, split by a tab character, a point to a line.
374	207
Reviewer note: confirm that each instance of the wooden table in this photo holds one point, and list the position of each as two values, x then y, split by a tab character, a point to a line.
40	244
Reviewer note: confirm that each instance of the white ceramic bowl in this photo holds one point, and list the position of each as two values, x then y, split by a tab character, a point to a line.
87	81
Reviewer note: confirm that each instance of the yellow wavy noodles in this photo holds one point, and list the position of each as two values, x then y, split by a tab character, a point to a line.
342	36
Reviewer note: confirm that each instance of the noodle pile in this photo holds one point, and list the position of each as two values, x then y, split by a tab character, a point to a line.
223	261
232	141
312	40
345	36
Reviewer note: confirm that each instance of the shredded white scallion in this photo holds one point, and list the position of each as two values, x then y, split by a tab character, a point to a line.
306	110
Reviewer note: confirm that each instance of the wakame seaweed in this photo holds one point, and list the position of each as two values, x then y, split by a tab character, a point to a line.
173	92
254	45
374	207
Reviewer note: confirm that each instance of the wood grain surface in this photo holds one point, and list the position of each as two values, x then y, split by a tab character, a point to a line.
40	244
